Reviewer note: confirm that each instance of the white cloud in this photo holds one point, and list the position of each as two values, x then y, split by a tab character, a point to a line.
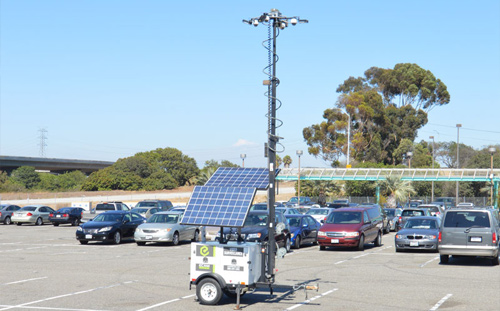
243	142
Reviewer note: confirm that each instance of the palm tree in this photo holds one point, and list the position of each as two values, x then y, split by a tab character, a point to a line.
287	160
205	175
396	189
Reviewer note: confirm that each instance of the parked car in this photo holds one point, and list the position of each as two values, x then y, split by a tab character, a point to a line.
113	226
419	232
165	227
447	201
393	216
6	211
255	229
469	232
432	209
287	211
337	205
162	205
351	227
145	212
34	214
109	206
303	229
407	213
320	214
67	215
294	201
259	207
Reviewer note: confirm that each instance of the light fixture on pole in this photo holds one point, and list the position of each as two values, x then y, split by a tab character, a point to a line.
458	158
275	22
432	183
492	151
409	154
299	153
243	156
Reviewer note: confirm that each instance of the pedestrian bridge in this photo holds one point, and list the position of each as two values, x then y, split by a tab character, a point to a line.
412	174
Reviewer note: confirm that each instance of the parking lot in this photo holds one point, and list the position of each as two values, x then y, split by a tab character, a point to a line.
45	268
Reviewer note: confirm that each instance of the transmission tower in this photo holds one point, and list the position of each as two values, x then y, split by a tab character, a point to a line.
42	143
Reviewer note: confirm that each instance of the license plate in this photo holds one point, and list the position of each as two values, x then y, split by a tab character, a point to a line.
414	243
476	239
58	216
149	237
88	236
334	241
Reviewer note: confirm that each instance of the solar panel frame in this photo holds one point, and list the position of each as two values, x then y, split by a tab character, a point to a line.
219	206
240	177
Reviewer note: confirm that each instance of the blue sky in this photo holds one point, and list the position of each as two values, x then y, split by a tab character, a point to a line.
108	79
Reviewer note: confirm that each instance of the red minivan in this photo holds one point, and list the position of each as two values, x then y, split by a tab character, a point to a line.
352	227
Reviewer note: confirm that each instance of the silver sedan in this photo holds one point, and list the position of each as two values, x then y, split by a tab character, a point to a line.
165	227
35	214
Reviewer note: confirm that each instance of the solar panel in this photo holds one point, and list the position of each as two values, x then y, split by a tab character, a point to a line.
218	206
240	177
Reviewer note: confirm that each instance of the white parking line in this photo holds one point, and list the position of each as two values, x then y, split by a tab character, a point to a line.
166	302
58	309
440	302
312	299
429	261
22	281
65	295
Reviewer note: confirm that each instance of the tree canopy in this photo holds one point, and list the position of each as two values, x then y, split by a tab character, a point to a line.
381	110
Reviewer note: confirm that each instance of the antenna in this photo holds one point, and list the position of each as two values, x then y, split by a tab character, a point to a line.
42	143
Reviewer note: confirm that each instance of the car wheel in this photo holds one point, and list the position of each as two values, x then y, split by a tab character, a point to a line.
361	245
39	221
388	229
208	291
141	243
322	247
55	224
495	261
296	245
84	242
378	240
117	237
175	239
196	236
444	259
75	222
7	221
288	244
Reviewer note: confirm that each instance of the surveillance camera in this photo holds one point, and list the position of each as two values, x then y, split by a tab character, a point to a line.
255	22
293	21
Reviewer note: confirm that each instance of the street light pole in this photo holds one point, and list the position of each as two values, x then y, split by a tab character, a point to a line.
492	151
432	183
275	20
458	158
409	154
243	156
299	153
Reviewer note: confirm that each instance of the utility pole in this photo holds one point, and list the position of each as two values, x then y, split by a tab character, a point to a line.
275	20
432	183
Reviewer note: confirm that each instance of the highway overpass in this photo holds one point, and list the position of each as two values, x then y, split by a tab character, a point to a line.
10	163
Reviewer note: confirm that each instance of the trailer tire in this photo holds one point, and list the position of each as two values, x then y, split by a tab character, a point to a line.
208	291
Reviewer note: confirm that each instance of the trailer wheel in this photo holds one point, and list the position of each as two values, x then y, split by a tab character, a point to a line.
208	292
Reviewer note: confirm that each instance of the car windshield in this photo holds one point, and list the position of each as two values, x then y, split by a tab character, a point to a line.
412	213
65	210
108	217
140	210
344	218
147	204
421	224
256	220
323	211
463	219
259	207
164	218
104	207
295	200
294	221
390	212
28	208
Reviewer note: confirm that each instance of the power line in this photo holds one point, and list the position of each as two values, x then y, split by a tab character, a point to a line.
465	128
